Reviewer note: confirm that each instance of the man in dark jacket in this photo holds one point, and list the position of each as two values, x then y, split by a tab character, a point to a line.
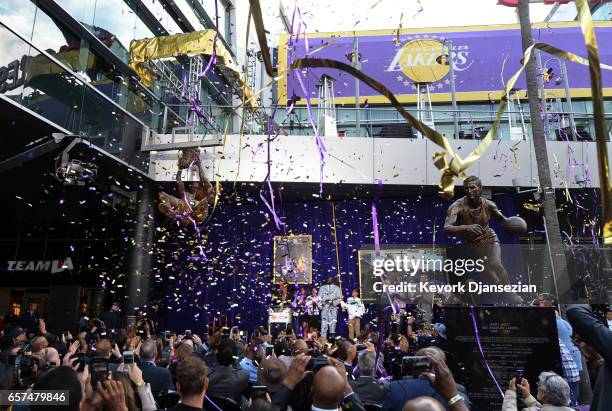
227	379
366	386
112	318
599	337
159	377
29	319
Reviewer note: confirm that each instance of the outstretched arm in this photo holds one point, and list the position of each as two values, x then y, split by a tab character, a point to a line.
180	184
210	192
495	213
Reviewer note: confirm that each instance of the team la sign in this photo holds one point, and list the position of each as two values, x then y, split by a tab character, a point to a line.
54	266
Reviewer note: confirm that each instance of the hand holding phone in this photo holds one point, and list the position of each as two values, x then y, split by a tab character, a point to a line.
98	367
128	357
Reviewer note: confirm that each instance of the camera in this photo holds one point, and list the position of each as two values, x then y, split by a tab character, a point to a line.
23	371
128	357
258	392
519	374
81	359
98	368
415	365
316	363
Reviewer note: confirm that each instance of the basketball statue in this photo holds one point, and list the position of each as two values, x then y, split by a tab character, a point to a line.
469	218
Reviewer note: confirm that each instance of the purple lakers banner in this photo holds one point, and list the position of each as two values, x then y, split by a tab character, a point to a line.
484	58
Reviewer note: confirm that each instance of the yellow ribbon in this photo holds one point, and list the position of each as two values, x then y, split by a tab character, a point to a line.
447	161
586	24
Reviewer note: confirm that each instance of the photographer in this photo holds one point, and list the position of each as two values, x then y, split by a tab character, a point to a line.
328	380
419	383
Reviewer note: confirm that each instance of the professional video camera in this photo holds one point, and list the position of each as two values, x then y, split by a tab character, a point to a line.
27	367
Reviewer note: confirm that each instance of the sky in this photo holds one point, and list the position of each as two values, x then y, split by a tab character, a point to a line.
344	15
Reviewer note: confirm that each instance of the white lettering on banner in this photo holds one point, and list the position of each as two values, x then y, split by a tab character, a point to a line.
55	266
460	60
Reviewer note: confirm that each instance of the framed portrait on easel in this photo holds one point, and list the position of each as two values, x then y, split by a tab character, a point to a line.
293	259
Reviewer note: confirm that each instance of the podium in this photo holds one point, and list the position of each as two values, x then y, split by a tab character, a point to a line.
278	320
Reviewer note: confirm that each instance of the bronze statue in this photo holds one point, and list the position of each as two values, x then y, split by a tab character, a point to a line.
469	218
191	206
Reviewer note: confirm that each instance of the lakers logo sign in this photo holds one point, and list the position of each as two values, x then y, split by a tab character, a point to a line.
420	60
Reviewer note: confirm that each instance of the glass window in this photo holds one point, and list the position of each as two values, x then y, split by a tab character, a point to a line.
190	14
209	6
603	12
160	13
112	21
18	15
61	43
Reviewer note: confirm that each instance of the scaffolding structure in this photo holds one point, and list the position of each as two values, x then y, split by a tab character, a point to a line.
326	108
425	112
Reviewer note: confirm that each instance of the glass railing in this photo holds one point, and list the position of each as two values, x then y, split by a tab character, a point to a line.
47	87
472	124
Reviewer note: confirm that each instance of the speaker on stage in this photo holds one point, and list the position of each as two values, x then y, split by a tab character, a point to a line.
63	306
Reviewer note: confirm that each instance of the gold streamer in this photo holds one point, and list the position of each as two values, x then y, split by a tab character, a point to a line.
197	42
447	161
586	24
456	166
255	10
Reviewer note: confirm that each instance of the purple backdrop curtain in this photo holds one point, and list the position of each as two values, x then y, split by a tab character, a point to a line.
235	281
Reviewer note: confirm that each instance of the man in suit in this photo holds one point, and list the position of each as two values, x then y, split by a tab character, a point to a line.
599	337
29	319
331	296
418	386
346	353
112	318
159	377
366	386
227	379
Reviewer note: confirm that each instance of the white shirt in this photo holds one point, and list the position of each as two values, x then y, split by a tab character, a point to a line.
323	409
355	307
610	324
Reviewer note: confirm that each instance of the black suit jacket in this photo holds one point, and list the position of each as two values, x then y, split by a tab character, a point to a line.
227	381
29	322
111	319
368	390
159	378
598	336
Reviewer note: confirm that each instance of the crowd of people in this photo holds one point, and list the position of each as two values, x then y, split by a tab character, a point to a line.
105	366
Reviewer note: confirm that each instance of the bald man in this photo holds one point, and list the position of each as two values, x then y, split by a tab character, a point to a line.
330	386
423	404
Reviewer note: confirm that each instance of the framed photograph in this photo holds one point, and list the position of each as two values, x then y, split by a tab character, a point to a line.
293	259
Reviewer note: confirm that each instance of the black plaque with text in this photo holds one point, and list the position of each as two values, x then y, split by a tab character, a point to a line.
514	340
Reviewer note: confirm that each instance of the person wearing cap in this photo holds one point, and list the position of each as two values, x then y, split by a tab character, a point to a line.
18	335
271	373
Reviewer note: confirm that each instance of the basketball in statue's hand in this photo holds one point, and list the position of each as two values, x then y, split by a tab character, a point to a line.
515	226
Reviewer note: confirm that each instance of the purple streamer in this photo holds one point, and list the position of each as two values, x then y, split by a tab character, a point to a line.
375	217
477	335
270	205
